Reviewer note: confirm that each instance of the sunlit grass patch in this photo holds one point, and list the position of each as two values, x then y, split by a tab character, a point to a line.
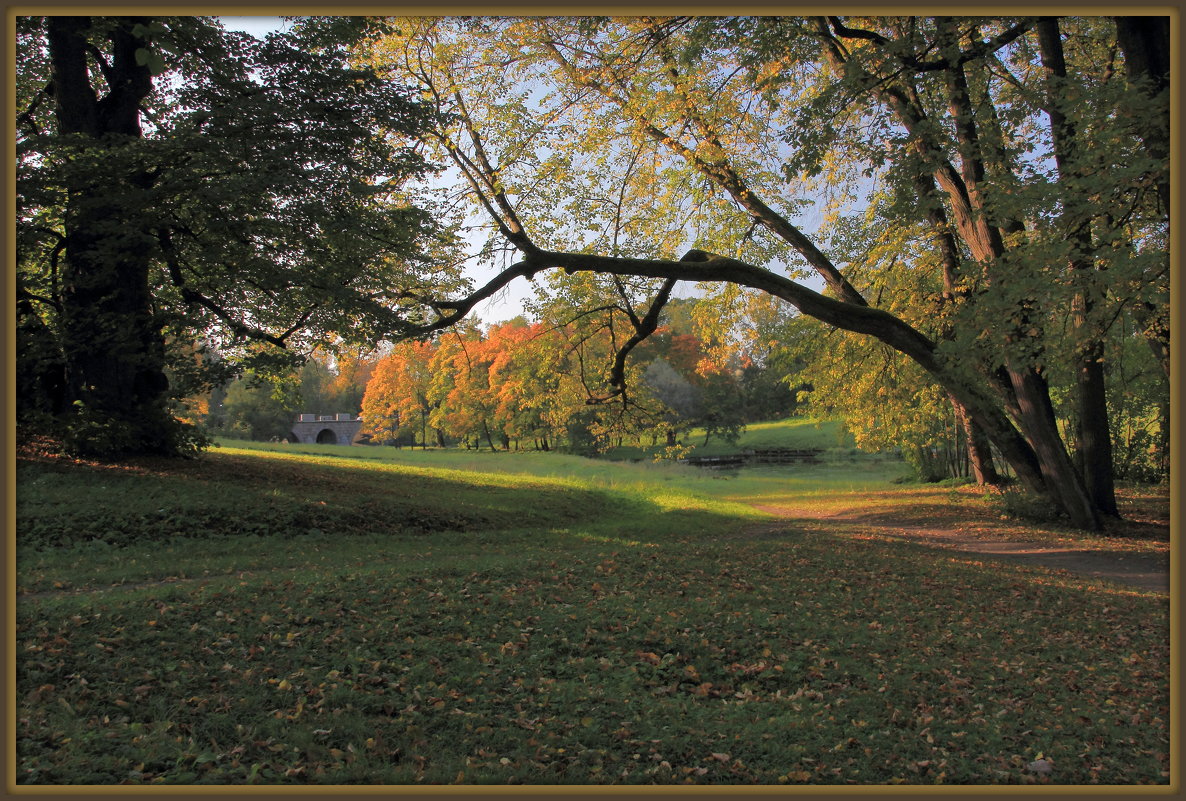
793	433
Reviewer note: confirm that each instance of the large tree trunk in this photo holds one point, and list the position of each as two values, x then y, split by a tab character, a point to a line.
113	346
1093	437
1041	431
1093	432
983	233
112	343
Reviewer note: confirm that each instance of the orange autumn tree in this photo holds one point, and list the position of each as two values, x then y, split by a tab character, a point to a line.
395	403
524	382
459	387
352	374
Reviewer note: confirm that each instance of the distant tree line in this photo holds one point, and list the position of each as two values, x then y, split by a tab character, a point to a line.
513	385
541	385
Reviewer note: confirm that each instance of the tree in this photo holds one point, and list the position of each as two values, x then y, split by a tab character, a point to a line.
697	391
396	400
176	181
260	407
523	380
602	335
676	393
459	387
948	119
352	373
767	346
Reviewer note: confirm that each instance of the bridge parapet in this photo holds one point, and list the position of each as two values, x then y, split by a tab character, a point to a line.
326	429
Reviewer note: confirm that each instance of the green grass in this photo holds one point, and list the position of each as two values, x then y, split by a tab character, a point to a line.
371	616
796	433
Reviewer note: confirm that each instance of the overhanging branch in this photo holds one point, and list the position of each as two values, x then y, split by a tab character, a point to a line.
697	266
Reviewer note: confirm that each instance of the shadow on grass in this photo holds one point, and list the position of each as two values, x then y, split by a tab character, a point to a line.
61	502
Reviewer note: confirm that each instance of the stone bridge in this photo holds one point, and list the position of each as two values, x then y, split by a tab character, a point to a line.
326	429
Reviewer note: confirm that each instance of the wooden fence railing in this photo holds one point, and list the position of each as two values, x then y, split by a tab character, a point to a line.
758	456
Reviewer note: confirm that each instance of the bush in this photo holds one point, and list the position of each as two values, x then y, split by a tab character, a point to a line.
95	435
1016	503
926	463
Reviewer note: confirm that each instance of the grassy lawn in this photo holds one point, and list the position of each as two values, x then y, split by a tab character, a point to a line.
332	615
796	433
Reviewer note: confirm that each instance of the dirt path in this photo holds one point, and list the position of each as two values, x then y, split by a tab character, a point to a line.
1150	571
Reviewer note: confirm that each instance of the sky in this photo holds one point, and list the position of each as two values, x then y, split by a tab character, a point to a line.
256	26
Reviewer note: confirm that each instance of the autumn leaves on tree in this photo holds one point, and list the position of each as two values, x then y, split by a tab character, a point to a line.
547	385
994	142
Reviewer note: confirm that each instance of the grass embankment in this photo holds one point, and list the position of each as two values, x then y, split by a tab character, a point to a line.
795	433
271	617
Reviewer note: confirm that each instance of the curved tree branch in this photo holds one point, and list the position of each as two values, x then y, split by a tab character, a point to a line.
194	297
643	328
699	266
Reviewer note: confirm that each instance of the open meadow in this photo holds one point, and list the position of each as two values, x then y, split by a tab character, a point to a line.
323	614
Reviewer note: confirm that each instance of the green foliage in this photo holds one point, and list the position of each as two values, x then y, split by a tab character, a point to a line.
91	434
1138	404
255	191
255	407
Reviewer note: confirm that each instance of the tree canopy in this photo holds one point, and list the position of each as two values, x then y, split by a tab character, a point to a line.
993	201
180	183
973	210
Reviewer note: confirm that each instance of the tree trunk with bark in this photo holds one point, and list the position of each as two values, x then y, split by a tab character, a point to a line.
1093	438
1147	60
112	342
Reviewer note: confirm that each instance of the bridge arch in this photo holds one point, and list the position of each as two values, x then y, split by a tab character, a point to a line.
333	429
